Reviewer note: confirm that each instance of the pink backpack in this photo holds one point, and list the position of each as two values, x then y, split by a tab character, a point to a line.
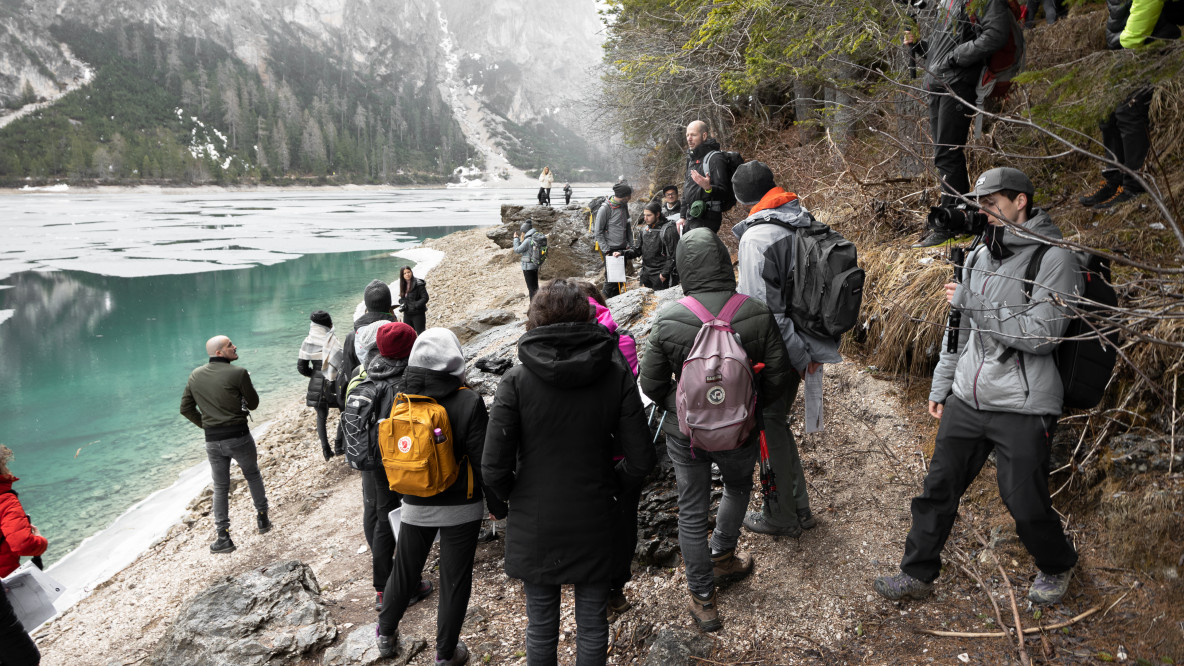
716	393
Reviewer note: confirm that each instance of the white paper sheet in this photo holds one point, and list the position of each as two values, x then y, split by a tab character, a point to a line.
814	401
31	593
615	268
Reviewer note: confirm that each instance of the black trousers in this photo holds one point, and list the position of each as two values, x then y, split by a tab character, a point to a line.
624	530
651	279
322	410
416	320
1124	133
16	648
566	198
532	281
378	500
458	545
949	124
1021	443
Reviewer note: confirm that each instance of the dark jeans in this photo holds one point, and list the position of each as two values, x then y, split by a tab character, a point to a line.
416	320
242	451
964	440
542	628
694	504
624	531
782	510
378	500
322	411
16	648
1124	133
1053	9
949	123
458	545
532	281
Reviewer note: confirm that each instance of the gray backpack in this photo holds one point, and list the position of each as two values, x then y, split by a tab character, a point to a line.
716	394
826	283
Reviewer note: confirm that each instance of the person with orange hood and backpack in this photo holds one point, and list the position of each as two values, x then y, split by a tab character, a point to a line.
18	537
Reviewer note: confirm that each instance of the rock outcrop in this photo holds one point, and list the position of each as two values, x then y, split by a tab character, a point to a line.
268	615
360	648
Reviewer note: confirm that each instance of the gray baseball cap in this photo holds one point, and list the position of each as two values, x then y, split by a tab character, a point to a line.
1002	178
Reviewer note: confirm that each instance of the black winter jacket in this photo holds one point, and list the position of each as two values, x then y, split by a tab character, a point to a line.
468	419
315	394
549	448
416	300
349	359
691	192
957	43
657	255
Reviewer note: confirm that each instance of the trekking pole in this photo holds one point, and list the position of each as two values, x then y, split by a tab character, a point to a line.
768	478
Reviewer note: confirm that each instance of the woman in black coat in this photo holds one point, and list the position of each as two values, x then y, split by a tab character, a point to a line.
548	453
413	300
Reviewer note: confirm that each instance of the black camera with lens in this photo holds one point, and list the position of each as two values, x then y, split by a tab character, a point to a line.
960	220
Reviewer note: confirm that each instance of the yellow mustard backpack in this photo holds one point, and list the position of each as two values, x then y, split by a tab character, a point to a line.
416	447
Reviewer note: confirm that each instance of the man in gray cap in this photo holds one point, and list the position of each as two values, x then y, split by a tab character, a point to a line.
999	391
614	236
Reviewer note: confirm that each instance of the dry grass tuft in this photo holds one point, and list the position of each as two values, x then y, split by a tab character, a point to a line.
1142	524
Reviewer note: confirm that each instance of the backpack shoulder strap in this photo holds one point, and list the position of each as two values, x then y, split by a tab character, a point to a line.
696	308
732	307
706	160
1033	270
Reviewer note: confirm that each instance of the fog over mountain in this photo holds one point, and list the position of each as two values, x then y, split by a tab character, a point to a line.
368	90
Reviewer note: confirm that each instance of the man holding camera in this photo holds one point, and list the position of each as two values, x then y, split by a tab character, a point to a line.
997	388
961	37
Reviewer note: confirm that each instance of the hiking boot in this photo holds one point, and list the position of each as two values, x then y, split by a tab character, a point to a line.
704	612
617	604
1105	191
223	544
388	646
1049	588
730	567
378	602
806	519
421	593
460	655
1122	196
934	238
902	586
486	535
755	521
263	522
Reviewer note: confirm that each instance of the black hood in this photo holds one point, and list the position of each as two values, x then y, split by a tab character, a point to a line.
381	368
704	263
702	149
434	384
568	355
371	317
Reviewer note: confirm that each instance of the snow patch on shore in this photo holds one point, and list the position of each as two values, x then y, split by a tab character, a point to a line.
425	259
5	315
60	187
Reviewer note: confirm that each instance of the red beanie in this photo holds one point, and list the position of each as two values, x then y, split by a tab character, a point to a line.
395	340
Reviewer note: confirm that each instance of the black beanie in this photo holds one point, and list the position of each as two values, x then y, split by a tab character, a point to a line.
622	190
321	317
751	182
378	297
526	226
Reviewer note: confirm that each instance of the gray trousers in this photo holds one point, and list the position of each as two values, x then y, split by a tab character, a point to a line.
542	629
694	503
242	451
782	510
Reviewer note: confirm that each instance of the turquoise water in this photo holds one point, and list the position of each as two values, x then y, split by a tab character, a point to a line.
94	368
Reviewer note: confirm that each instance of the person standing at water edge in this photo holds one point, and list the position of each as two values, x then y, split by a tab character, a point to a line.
413	300
320	356
566	194
545	182
218	399
17	537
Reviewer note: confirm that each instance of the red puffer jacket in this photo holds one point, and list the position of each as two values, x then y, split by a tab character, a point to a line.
17	532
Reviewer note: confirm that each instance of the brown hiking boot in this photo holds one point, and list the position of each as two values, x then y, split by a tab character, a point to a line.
730	567
704	613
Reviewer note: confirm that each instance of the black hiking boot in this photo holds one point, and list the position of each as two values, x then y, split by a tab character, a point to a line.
1105	191
1122	196
902	586
388	646
755	521
263	522
421	593
806	519
223	544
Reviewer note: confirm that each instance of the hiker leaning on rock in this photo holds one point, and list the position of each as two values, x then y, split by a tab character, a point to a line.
701	193
218	399
1132	23
1000	391
766	266
959	38
706	270
613	233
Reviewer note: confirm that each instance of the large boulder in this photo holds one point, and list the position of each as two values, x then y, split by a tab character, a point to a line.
571	249
271	615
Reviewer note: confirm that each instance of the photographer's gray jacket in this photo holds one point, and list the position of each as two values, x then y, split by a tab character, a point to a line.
612	227
766	263
955	47
523	247
1004	361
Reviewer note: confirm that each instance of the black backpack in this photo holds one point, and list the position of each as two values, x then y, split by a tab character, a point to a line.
732	161
1084	361
538	249
826	283
358	418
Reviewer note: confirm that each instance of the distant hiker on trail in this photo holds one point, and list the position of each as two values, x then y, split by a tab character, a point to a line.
413	299
655	248
706	270
613	233
767	241
567	194
436	369
553	427
218	399
319	360
18	538
959	39
1125	132
545	182
524	244
703	192
999	391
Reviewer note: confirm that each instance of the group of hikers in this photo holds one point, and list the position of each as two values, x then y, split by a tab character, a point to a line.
546	180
